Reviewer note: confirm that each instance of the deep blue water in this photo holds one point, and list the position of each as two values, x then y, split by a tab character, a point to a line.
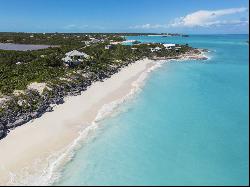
188	126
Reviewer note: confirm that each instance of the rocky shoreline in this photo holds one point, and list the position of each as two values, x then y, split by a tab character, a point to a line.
15	114
195	54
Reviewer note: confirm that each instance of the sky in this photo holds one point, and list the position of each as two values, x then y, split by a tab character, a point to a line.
180	16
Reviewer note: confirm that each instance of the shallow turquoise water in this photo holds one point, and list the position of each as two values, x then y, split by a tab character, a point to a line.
188	126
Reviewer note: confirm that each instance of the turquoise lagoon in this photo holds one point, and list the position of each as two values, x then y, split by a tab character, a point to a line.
188	126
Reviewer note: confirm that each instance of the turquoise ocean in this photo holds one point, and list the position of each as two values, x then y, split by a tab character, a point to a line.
189	125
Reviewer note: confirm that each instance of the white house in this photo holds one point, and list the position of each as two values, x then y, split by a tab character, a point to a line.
67	59
18	63
155	49
94	40
169	46
74	57
76	53
115	43
108	46
86	42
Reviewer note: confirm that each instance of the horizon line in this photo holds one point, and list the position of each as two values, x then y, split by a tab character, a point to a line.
125	33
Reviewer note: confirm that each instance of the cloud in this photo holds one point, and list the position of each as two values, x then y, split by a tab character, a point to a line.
70	26
149	26
207	18
202	18
230	23
75	27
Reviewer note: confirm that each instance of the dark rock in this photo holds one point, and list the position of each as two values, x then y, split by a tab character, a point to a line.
1	127
49	109
2	134
17	123
34	115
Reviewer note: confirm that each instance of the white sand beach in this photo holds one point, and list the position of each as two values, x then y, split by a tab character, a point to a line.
28	147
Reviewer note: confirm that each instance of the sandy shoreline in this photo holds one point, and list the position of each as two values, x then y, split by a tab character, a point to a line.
28	147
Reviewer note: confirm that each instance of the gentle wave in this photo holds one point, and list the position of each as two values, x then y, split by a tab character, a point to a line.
55	163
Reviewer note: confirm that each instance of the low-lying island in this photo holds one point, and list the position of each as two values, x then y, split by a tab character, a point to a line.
61	103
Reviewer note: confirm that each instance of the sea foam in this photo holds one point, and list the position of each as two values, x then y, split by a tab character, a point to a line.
51	172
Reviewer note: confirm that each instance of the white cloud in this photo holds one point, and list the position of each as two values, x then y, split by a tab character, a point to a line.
149	26
73	26
231	23
202	18
206	18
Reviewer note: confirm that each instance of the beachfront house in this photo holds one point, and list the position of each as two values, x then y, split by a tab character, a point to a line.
177	48
115	43
155	49
169	46
74	58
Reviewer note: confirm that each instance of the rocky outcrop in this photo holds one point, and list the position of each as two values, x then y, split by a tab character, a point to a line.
2	131
12	117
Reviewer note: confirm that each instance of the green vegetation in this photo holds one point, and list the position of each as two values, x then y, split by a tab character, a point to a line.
45	65
69	39
104	56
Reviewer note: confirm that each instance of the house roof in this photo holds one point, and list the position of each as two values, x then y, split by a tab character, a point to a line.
169	45
76	53
67	59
